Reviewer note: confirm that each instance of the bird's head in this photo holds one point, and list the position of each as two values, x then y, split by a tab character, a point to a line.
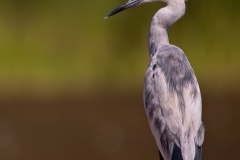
132	3
129	4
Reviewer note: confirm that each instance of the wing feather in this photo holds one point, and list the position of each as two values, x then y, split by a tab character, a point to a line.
172	102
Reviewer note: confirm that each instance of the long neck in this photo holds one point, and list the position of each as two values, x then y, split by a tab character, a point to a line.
161	21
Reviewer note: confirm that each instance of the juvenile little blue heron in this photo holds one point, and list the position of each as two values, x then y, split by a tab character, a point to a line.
172	97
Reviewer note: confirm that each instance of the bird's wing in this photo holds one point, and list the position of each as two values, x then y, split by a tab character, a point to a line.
172	101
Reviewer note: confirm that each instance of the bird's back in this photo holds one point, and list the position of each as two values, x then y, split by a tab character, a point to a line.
172	102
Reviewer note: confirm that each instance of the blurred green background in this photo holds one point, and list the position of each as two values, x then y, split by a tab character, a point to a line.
71	82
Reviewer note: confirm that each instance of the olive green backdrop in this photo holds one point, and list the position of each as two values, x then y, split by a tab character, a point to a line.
71	82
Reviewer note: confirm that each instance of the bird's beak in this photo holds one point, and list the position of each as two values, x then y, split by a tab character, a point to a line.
128	4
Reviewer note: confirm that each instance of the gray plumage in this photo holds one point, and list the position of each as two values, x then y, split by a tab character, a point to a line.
172	97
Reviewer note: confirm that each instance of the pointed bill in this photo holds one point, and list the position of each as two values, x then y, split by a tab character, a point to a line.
128	4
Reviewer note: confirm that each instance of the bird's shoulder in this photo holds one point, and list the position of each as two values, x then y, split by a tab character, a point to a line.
172	62
170	52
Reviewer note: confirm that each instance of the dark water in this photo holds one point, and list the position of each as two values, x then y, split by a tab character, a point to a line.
104	126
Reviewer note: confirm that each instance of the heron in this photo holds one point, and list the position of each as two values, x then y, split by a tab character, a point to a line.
172	98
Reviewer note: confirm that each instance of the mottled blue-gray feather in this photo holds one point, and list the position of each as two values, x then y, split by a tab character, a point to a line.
178	72
171	89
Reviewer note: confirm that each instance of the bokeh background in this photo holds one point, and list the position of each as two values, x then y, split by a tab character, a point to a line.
71	82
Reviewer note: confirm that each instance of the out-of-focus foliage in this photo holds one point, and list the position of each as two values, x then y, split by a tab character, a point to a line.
50	44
